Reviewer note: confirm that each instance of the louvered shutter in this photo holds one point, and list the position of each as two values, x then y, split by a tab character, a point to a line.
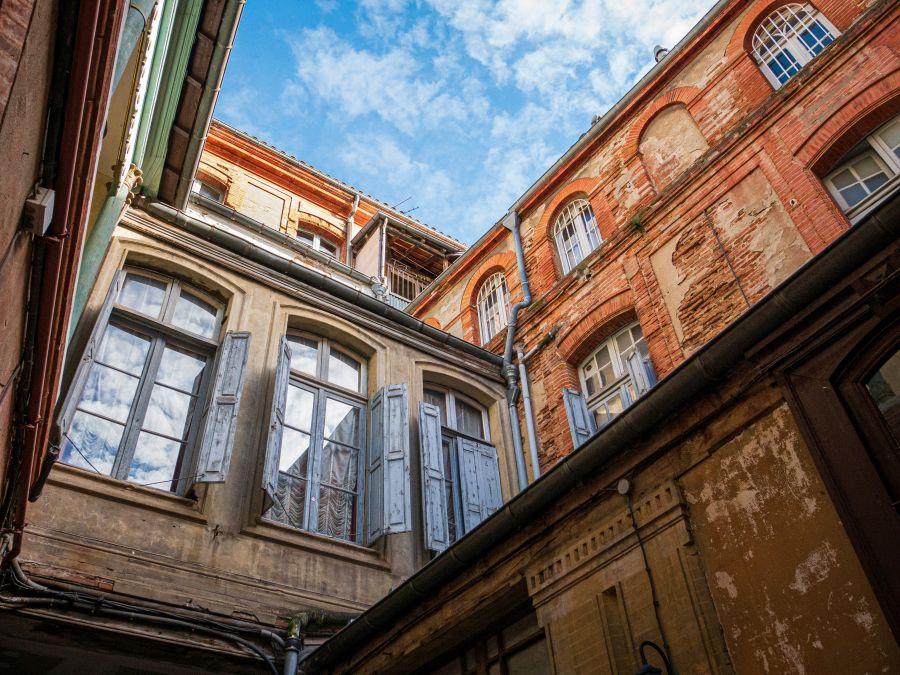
640	373
221	413
276	423
388	497
479	476
434	495
581	422
67	409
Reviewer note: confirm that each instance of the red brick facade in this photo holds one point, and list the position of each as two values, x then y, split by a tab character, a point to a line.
721	221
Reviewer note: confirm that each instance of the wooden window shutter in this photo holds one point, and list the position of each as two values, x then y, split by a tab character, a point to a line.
640	372
479	476
276	423
434	495
388	497
221	414
581	422
67	409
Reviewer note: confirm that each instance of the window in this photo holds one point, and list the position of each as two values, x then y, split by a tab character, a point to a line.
788	39
616	374
518	649
868	173
319	452
318	243
208	191
460	467
576	233
493	306
134	409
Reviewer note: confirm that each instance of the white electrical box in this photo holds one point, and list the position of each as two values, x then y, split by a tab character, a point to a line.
38	211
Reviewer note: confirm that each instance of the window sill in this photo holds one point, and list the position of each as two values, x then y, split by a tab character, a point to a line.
84	481
316	543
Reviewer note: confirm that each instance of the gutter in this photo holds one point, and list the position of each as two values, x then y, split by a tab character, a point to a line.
705	368
314	279
280	238
224	41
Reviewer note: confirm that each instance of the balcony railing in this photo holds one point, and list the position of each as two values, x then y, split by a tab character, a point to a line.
404	285
397	302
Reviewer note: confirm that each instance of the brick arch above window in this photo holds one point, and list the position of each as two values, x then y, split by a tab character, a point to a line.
684	95
504	262
214	177
850	123
433	322
579	340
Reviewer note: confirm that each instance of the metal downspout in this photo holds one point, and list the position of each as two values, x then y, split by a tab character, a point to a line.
348	254
511	221
523	359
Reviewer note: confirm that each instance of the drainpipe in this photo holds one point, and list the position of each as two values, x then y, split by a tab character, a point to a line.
526	396
511	221
348	255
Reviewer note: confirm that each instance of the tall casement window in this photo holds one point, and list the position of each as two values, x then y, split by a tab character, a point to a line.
788	39
460	470
321	445
318	243
147	404
576	233
613	377
493	306
319	456
869	173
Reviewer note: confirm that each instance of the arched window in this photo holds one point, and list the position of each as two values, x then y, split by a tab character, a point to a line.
134	408
869	173
788	39
493	306
576	233
317	242
616	374
320	458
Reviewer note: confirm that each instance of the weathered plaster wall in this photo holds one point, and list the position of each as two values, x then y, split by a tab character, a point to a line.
26	50
789	590
670	144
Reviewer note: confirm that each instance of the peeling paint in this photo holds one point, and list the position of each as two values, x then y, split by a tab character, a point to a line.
814	568
726	582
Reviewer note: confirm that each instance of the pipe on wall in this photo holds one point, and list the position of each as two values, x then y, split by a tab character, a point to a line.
530	426
348	237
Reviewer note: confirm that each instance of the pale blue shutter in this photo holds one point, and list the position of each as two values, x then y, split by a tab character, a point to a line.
221	414
640	372
67	408
388	497
479	476
581	422
434	494
276	423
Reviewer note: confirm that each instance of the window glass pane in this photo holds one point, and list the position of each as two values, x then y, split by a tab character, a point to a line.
167	412
439	399
194	315
154	461
299	408
449	487
328	248
890	135
181	369
854	194
108	392
343	370
532	660
469	420
843	179
294	458
339	466
521	629
304	353
341	422
884	388
290	502
337	513
143	294
91	443
305	237
124	349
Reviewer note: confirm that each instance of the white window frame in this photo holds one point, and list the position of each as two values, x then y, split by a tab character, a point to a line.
885	157
317	242
779	34
623	385
584	233
451	435
199	184
492	306
323	389
162	333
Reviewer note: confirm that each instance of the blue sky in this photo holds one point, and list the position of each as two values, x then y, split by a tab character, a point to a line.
458	105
